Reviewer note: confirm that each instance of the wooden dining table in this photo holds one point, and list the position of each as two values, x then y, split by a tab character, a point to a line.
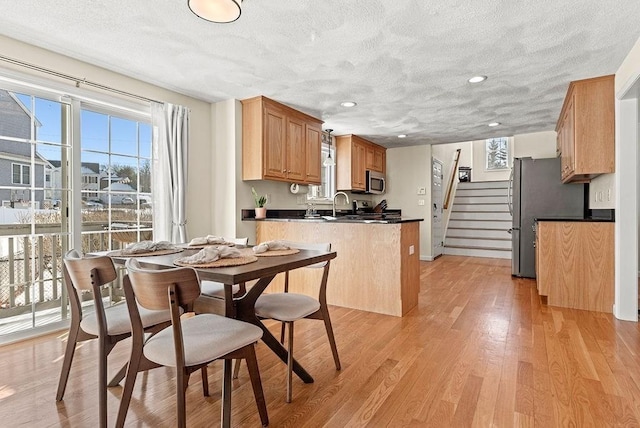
242	308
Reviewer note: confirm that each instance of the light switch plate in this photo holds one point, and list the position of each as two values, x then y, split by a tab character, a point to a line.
422	190
421	202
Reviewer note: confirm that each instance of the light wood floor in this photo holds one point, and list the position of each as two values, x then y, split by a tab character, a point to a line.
480	350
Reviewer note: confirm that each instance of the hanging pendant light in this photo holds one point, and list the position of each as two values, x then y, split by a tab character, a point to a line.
329	160
219	11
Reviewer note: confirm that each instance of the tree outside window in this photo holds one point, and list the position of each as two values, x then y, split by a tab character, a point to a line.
497	154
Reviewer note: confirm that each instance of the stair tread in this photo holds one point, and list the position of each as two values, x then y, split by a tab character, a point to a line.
476	228
472	247
479	237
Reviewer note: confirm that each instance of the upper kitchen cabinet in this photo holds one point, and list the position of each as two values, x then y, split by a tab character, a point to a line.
279	143
376	158
586	136
354	156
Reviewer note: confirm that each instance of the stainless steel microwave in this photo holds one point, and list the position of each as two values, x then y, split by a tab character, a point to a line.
376	183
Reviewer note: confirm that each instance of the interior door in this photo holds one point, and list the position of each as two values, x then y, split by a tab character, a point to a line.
437	238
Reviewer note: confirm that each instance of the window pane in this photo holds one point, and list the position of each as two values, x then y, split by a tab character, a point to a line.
26	174
497	153
124	136
145	140
48	120
16	174
94	131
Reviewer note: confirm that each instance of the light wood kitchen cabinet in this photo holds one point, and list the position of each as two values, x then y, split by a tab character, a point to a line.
279	143
354	156
375	158
575	264
585	128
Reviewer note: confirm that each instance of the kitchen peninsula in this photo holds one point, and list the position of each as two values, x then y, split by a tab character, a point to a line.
377	268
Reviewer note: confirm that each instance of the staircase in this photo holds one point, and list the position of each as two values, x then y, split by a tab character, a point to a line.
479	221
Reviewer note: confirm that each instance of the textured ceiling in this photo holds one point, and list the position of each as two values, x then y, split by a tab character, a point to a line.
406	63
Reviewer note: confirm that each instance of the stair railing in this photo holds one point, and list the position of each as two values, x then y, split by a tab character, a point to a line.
452	179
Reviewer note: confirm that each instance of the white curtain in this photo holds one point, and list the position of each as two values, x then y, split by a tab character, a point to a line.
171	134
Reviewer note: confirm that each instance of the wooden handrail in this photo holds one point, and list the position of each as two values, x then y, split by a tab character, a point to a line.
453	177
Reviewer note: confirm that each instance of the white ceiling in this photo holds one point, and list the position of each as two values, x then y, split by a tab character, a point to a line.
405	62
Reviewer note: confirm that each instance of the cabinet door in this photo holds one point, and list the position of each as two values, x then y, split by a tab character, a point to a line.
358	166
313	154
274	144
379	157
296	155
568	143
370	162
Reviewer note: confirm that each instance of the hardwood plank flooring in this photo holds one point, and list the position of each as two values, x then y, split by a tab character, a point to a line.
480	350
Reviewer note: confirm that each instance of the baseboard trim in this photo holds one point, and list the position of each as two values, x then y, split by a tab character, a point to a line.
426	258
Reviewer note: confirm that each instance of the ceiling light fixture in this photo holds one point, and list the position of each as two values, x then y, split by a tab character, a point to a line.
492	124
219	11
329	160
402	136
349	104
477	79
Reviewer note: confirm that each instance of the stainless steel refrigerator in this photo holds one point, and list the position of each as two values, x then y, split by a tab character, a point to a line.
536	191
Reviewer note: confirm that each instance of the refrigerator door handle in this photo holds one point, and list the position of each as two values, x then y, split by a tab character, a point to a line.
509	196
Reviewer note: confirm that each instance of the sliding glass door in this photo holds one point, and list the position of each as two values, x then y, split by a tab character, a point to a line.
53	153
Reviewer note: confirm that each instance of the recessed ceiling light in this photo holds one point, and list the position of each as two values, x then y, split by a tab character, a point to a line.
492	124
477	79
348	104
402	136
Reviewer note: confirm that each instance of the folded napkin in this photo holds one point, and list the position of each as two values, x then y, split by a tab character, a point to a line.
208	240
211	254
147	247
270	245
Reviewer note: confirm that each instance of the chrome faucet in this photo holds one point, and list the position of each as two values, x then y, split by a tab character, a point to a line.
334	200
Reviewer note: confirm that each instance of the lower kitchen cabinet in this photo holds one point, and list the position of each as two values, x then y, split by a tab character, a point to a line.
575	264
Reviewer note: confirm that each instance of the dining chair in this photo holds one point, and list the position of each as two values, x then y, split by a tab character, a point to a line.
290	307
216	289
109	325
191	343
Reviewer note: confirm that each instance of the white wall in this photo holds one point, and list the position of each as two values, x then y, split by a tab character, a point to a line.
627	90
409	168
537	145
602	192
199	194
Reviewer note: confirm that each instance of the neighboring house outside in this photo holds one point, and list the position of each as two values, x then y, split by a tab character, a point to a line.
90	172
118	191
15	156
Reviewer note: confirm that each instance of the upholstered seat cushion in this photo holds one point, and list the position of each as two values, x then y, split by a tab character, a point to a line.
206	337
216	289
118	321
286	306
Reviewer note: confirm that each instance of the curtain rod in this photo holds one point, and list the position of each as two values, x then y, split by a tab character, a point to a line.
77	80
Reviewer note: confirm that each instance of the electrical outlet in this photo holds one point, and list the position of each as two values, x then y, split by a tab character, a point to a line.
421	202
608	194
268	196
422	190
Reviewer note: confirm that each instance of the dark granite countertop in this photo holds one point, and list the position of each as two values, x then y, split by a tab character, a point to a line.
575	219
325	216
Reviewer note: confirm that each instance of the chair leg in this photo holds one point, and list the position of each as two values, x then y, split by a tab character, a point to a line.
282	333
102	381
129	383
72	339
181	386
205	381
332	340
225	419
290	363
256	383
236	368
